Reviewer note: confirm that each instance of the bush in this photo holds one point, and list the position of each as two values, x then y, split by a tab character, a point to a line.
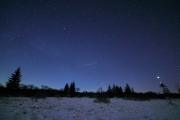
101	100
101	97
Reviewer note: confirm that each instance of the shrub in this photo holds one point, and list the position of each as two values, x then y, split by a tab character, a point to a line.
101	97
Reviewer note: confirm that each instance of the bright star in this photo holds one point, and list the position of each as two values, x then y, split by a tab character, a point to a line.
158	77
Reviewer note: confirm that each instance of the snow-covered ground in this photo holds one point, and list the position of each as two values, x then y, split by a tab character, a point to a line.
52	108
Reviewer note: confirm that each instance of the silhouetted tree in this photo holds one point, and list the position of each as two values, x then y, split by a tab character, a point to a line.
177	86
72	90
120	93
66	90
132	90
127	89
1	86
35	88
165	91
114	90
109	92
14	80
45	87
23	86
77	89
31	87
109	89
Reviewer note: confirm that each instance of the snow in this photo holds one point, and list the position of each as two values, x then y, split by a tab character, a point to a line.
52	108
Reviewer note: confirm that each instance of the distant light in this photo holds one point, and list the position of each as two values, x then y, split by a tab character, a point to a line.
158	77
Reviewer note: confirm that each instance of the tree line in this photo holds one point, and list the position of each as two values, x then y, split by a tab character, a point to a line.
14	88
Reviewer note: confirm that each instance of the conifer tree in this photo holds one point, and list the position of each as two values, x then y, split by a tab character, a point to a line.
109	89
14	80
66	89
120	93
109	92
114	90
127	89
120	89
72	90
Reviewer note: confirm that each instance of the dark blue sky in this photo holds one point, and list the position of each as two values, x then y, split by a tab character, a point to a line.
92	42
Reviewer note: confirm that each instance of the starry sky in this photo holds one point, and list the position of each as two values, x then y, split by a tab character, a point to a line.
92	42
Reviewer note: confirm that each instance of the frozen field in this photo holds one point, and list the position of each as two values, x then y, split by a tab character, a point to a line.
22	108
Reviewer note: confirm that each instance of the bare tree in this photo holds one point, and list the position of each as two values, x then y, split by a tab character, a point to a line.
177	86
100	90
77	89
165	91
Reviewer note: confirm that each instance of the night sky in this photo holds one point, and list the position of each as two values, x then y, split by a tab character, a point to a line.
92	42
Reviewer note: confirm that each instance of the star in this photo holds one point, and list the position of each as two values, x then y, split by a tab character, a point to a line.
57	42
